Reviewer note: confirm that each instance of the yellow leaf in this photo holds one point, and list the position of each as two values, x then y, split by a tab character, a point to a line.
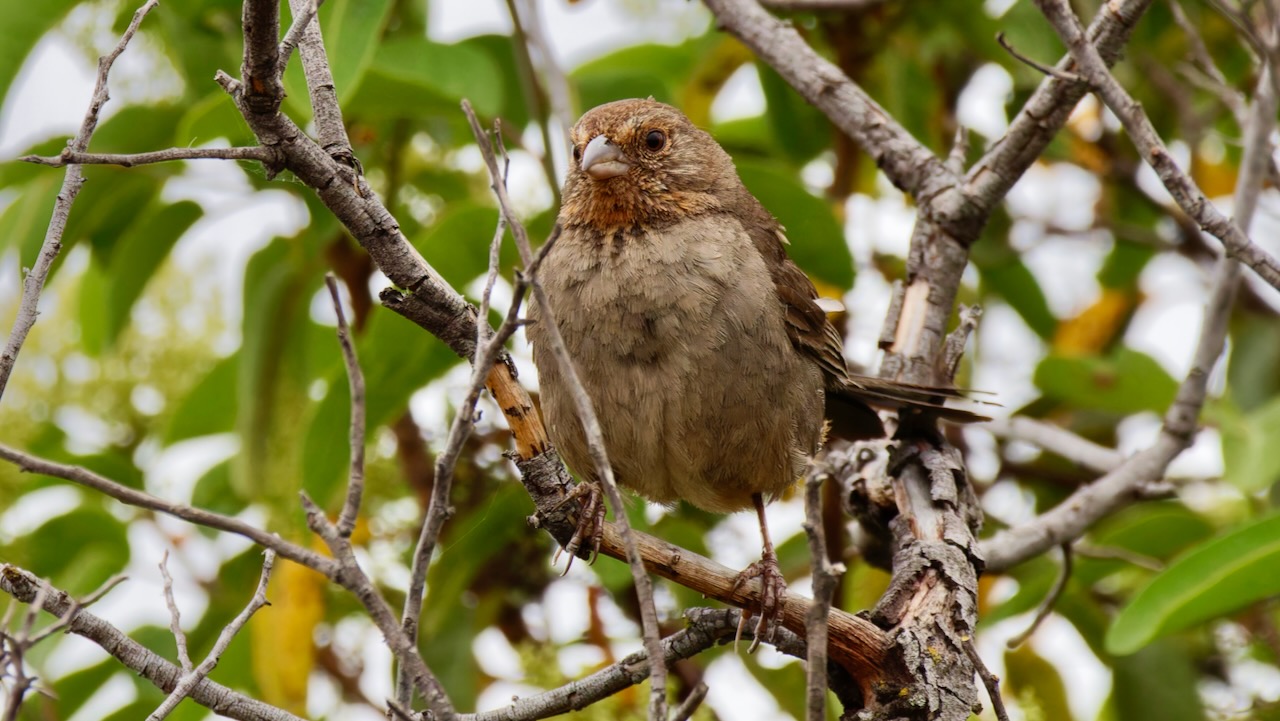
1096	327
281	635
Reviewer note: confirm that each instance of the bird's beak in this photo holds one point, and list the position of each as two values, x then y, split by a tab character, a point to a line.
602	159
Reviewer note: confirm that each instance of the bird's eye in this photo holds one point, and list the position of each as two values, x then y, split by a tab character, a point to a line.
655	140
577	154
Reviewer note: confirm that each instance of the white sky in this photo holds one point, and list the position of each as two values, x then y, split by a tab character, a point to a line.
1165	327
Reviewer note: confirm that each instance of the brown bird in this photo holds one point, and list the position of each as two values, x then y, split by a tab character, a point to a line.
702	345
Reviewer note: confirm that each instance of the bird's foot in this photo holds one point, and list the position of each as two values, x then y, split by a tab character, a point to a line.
590	522
773	589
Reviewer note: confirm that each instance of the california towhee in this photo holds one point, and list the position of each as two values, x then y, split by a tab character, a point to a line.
703	346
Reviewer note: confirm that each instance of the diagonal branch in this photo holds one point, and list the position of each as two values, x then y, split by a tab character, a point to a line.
1144	136
1070	519
33	284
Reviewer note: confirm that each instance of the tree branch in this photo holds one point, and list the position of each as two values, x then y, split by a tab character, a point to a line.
26	588
67	157
355	383
1144	136
72	181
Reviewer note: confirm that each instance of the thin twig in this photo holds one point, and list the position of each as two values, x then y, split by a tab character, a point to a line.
71	157
194	677
534	97
200	517
487	351
72	181
301	20
557	83
825	576
1058	441
690	705
591	429
1035	64
175	616
988	679
355	382
1046	606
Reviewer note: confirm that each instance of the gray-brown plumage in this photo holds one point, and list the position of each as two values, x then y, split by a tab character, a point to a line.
700	342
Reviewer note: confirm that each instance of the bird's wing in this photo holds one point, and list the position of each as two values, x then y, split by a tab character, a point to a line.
813	334
807	323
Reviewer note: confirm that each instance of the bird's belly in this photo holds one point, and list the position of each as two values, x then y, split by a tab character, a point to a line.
700	395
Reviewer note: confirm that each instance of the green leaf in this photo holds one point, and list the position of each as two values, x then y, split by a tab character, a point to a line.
419	62
1156	684
80	550
1156	530
1016	284
24	222
458	245
210	407
1216	578
93	308
817	240
139	253
799	128
1249	445
1036	684
107	205
24	24
214	116
397	358
1124	382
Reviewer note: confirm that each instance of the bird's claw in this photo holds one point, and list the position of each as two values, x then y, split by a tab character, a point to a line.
590	526
773	588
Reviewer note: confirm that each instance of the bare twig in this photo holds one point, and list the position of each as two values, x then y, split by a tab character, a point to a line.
124	494
690	705
71	157
707	627
825	576
175	616
193	677
301	19
534	96
1119	554
988	679
487	351
1144	136
591	429
72	181
1046	606
1058	441
1035	64
355	381
557	84
331	132
25	587
1217	82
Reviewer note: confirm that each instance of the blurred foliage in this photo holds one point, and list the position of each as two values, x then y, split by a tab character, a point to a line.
207	370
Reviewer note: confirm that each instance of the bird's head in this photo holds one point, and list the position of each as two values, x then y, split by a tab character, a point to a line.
641	162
